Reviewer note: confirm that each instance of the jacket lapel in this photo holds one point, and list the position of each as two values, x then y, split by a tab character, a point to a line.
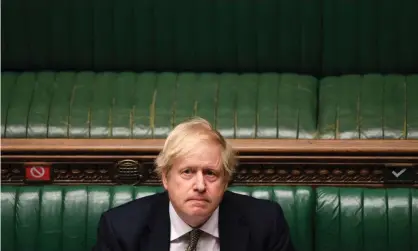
157	238
233	231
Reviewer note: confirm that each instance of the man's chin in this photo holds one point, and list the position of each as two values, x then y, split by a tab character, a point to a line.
198	211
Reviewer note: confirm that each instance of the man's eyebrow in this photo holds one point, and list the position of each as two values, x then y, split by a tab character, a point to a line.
212	168
188	166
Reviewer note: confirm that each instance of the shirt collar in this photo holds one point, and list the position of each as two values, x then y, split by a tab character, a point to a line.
180	228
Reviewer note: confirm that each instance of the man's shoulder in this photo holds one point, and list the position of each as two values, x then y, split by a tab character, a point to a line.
124	224
138	209
264	218
261	215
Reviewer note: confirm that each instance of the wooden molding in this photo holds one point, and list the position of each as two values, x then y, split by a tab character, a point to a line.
240	145
131	172
260	162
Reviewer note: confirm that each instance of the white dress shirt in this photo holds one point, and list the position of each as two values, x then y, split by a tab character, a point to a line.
208	241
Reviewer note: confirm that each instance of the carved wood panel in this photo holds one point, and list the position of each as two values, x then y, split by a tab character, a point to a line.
133	172
261	162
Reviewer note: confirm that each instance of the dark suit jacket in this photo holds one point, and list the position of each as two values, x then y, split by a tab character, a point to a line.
245	224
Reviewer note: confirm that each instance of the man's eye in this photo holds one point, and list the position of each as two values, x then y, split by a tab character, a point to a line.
210	173
187	171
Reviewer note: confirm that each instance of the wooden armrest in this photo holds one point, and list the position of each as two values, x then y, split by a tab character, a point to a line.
242	146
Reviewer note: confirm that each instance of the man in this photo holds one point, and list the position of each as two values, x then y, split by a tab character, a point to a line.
195	213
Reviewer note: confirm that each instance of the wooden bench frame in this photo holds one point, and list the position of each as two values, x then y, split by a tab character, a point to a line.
366	163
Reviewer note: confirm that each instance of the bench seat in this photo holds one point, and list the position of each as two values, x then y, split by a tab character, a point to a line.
148	105
57	218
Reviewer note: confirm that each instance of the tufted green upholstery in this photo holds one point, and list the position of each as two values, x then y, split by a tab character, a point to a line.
322	219
162	35
366	219
370	106
58	218
53	218
68	68
147	105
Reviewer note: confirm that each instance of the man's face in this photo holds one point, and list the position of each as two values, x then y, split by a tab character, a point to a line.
196	183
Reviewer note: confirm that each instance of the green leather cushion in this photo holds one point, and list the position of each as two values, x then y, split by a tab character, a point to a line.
148	105
366	219
370	106
162	35
62	218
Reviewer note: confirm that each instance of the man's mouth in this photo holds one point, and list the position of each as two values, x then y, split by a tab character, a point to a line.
199	199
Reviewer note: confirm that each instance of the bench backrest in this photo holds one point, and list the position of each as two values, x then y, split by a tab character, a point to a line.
314	37
322	219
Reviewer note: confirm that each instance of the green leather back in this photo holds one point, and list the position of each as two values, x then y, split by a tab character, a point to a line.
149	105
327	37
328	218
366	219
371	106
298	205
365	36
58	218
162	35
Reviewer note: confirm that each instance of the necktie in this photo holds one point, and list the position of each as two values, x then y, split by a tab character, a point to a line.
194	238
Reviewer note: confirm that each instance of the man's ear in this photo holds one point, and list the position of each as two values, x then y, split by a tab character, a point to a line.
164	179
227	183
226	186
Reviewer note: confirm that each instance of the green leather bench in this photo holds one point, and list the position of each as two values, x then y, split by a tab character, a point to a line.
147	105
320	38
162	35
321	219
268	105
363	219
283	69
370	106
255	69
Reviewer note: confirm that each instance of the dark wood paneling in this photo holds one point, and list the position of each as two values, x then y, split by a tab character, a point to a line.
261	162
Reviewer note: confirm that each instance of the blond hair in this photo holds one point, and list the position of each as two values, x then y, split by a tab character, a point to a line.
184	138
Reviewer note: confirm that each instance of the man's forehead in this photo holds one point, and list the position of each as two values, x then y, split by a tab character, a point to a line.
198	159
201	148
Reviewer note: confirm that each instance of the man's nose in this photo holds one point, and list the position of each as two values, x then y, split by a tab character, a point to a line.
200	182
